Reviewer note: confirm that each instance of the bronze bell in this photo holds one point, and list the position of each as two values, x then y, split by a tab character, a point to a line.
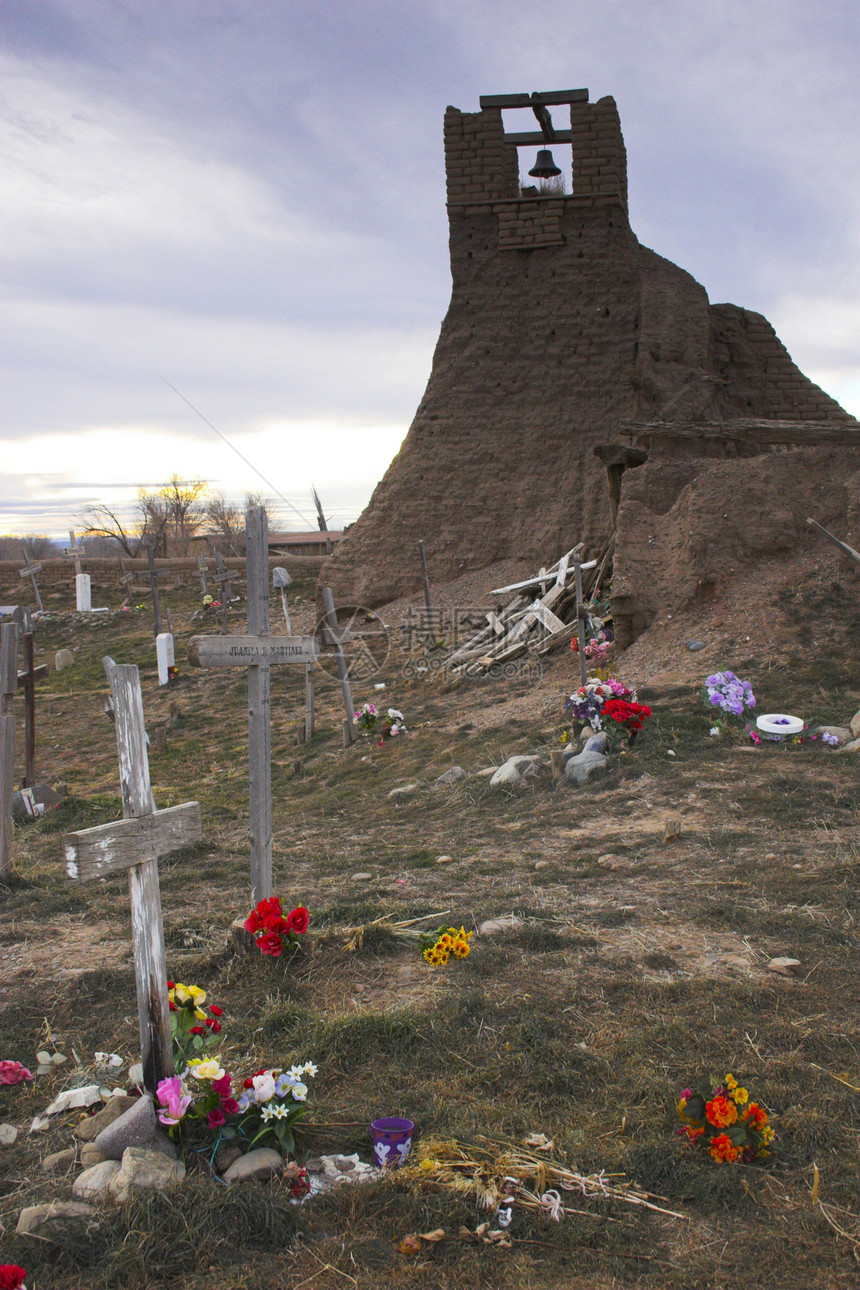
544	167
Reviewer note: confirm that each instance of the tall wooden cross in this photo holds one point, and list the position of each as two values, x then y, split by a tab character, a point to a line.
135	843
201	573
31	568
126	578
26	681
154	575
8	686
73	551
223	577
258	652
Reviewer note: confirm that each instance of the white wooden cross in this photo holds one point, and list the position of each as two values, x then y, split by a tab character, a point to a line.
258	652
135	843
31	568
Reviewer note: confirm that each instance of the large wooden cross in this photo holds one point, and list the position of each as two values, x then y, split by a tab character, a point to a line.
31	568
26	681
258	652
135	843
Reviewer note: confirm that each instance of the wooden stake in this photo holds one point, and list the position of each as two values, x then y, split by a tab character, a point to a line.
349	735
259	703
153	582
580	620
8	686
309	703
26	681
431	635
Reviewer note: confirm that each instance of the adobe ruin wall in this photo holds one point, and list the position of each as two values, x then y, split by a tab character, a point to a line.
561	327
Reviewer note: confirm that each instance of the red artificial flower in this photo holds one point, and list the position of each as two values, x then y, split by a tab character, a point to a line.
275	923
222	1086
197	1030
271	944
298	920
300	1184
172	1006
247	1083
214	1026
230	1106
215	1010
170	985
258	919
215	1118
11	1276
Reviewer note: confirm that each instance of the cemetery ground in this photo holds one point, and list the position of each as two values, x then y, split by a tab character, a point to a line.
637	965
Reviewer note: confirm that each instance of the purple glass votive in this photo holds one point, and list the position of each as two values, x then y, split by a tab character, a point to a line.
392	1141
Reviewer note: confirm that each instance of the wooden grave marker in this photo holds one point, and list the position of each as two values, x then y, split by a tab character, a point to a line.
135	843
26	681
257	651
201	573
280	581
580	619
8	686
31	568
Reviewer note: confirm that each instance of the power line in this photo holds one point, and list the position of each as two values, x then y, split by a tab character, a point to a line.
267	482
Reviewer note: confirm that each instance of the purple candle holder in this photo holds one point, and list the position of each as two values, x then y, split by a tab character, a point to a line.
392	1141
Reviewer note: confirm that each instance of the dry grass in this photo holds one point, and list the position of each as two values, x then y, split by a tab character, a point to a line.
622	984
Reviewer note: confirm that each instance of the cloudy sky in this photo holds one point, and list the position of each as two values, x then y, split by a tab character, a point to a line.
245	198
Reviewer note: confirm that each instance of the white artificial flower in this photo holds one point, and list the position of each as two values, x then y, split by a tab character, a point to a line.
295	1073
300	1092
310	1069
264	1087
714	732
267	1113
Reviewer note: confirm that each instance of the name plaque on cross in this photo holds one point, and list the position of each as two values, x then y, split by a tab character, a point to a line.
239	651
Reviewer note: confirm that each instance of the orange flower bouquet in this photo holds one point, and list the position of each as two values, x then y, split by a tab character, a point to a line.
723	1120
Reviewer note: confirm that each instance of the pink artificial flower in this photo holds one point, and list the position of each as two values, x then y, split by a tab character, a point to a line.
215	1118
230	1106
170	1095
13	1073
222	1086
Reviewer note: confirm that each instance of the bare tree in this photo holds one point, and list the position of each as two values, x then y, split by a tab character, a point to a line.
103	522
38	546
170	514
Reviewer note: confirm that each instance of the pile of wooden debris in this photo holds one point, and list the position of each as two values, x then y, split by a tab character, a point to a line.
545	611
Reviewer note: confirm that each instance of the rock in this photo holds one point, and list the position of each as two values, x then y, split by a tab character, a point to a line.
444	859
541	864
90	1155
842	733
493	926
362	877
597	743
135	1075
694	646
784	966
63	658
854	746
225	1155
75	1098
143	1169
135	1127
516	769
93	1183
59	1161
405	790
488	770
263	1162
8	1134
452	776
55	1220
854	725
88	1130
585	764
612	861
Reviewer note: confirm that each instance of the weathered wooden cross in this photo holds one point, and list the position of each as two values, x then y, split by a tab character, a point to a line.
31	568
83	583
26	681
8	686
135	843
258	652
223	577
335	635
126	579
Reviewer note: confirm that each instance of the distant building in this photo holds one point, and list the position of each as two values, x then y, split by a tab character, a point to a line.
312	543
